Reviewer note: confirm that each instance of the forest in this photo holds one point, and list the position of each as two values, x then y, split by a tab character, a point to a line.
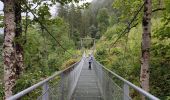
132	39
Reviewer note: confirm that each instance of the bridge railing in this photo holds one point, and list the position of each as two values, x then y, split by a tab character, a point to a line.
111	90
61	89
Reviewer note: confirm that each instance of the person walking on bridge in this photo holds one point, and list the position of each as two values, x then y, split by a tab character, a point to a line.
90	61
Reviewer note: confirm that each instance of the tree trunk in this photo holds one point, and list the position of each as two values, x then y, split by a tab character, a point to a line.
145	47
19	41
8	47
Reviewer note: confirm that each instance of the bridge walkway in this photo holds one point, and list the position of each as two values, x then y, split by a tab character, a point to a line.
87	87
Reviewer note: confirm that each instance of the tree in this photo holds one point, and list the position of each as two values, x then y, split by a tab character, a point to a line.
145	47
73	16
63	12
8	47
18	39
12	46
1	20
75	19
85	23
103	19
93	31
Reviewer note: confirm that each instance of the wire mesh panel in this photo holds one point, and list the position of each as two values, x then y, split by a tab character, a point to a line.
63	88
108	87
114	87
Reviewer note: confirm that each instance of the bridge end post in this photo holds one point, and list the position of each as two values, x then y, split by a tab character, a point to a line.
45	93
125	92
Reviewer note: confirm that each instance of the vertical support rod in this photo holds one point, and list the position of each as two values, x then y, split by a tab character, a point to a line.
45	92
109	85
62	86
82	45
125	92
94	45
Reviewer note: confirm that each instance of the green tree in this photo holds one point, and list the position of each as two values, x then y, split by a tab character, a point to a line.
145	46
11	30
1	20
8	48
160	56
103	20
93	31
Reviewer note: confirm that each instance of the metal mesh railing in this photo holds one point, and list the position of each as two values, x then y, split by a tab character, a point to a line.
59	86
64	88
110	90
114	87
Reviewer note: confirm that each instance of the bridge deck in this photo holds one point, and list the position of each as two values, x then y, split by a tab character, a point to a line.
87	87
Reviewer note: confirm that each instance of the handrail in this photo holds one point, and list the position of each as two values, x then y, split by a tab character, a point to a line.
28	90
140	90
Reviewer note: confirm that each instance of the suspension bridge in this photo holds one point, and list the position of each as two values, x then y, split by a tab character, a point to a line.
77	82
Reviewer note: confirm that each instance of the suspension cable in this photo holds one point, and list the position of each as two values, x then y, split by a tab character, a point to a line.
127	28
46	28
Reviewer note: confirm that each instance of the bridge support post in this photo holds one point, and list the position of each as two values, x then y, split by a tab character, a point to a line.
62	87
45	93
125	92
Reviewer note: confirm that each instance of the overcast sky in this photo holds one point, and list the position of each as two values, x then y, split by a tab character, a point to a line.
1	7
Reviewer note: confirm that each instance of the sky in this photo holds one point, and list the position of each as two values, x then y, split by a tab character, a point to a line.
1	7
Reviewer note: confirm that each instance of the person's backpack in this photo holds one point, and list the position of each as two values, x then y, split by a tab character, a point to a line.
91	59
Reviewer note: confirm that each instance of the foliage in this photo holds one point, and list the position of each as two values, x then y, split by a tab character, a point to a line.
103	19
73	16
161	57
68	63
42	55
93	31
126	8
1	39
123	57
1	19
